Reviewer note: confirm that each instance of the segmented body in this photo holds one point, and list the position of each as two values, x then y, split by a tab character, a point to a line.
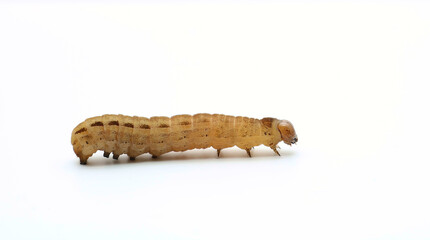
119	134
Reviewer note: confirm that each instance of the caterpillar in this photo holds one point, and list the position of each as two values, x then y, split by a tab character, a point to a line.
120	134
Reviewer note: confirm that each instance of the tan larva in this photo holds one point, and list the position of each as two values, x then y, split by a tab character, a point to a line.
119	134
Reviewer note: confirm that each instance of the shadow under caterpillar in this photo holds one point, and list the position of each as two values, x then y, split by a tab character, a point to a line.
120	134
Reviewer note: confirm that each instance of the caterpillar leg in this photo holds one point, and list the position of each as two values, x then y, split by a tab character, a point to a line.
248	150
218	151
275	150
106	154
84	155
83	159
154	156
115	156
132	158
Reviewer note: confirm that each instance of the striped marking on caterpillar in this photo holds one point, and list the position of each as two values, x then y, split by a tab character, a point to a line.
120	134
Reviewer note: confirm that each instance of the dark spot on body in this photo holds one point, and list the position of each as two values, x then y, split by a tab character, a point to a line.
114	123
130	125
163	125
145	126
81	130
184	123
267	122
86	142
97	124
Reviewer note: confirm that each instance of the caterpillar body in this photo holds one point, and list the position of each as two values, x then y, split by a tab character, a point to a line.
120	134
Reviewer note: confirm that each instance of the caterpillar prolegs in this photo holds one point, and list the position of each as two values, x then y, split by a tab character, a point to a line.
120	134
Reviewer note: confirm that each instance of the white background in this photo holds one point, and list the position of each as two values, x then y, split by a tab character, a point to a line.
352	76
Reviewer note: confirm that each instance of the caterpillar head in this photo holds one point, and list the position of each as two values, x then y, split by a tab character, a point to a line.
287	131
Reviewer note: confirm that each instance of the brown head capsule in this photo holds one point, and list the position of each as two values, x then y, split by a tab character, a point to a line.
288	134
